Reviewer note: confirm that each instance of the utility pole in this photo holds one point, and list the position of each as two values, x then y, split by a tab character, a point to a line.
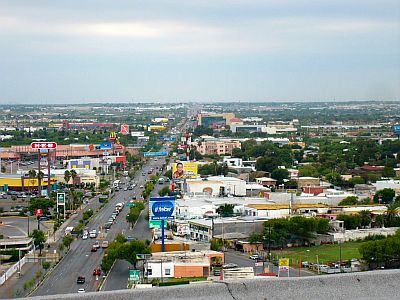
48	173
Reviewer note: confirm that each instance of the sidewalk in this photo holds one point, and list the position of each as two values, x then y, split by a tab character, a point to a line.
15	285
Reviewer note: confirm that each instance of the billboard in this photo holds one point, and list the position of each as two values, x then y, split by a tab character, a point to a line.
283	264
124	129
60	198
106	146
168	139
155	154
396	129
162	208
184	170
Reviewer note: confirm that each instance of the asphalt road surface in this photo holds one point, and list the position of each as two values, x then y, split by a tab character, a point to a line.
81	261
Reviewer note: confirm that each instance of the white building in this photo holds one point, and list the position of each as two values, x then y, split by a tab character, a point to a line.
387	184
217	185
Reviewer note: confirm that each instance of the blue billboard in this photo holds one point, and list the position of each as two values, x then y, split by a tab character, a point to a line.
396	129
168	139
154	154
162	208
106	146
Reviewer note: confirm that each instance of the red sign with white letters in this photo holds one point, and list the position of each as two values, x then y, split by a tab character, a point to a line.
43	145
38	212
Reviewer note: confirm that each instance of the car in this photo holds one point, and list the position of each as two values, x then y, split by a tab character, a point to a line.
254	256
81	279
81	291
104	244
84	237
94	249
96	272
93	233
141	186
125	188
130	188
107	225
130	238
44	218
96	244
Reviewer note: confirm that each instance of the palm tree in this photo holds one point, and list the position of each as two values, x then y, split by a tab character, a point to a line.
67	177
73	175
40	176
392	214
32	176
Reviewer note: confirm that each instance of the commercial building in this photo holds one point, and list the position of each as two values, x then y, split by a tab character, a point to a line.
218	147
84	176
217	185
214	120
22	182
181	264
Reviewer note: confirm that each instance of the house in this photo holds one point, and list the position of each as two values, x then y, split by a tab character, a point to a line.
266	181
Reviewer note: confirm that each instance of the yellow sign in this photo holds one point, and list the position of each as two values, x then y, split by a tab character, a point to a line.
184	170
284	264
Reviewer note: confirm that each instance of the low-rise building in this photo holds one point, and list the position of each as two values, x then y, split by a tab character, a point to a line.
307	181
217	185
181	264
266	181
217	147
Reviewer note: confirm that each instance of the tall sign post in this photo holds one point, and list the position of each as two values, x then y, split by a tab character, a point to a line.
61	201
43	146
162	209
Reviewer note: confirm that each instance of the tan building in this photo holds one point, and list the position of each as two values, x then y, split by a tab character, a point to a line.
308	181
215	120
217	147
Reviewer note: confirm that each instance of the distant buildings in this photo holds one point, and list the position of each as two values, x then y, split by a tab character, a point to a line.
214	120
217	147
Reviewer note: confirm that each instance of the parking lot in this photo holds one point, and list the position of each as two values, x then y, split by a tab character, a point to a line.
15	226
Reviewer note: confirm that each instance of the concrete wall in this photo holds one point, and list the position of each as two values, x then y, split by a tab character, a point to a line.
368	285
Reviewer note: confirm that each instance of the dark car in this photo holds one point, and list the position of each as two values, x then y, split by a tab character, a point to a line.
44	218
96	272
94	249
107	225
80	280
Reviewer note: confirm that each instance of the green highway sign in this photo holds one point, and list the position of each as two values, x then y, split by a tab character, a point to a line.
134	275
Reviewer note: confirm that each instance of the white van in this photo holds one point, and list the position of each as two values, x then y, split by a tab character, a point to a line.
68	230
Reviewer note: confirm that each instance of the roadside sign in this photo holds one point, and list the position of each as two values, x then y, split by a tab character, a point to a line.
60	198
283	264
124	129
292	191
134	275
258	264
106	146
38	212
43	145
162	208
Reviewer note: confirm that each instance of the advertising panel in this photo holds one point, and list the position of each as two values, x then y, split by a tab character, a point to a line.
60	198
155	154
396	129
168	139
106	146
184	170
162	208
283	264
124	129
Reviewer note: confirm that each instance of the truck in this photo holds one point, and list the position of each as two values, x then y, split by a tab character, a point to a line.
69	230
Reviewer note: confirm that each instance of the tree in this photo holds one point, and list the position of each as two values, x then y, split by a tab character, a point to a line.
225	210
308	171
351	200
280	175
32	176
365	218
165	191
280	232
388	172
322	225
302	229
67	241
356	180
256	238
73	175
266	163
334	178
38	239
67	176
350	221
384	196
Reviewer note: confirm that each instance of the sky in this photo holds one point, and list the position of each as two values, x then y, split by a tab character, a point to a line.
81	51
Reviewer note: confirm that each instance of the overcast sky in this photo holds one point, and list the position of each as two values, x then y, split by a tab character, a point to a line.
77	51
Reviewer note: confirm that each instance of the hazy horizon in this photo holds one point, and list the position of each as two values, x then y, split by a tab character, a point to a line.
97	51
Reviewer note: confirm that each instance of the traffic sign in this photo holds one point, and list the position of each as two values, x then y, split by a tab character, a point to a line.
43	145
134	275
38	212
60	198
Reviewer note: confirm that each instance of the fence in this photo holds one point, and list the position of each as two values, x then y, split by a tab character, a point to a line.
14	268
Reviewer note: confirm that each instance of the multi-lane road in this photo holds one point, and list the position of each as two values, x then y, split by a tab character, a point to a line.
80	261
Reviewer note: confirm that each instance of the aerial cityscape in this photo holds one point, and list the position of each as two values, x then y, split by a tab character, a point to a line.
206	150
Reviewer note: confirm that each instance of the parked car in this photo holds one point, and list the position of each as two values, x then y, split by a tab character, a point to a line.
96	244
84	236
81	291
254	256
96	272
108	225
81	279
104	244
94	249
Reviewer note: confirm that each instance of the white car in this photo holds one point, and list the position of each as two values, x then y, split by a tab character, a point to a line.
254	256
81	291
84	237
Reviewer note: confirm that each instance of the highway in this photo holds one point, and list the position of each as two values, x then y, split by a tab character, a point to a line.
80	261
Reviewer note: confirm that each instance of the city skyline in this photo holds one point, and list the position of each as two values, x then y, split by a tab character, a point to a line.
280	51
